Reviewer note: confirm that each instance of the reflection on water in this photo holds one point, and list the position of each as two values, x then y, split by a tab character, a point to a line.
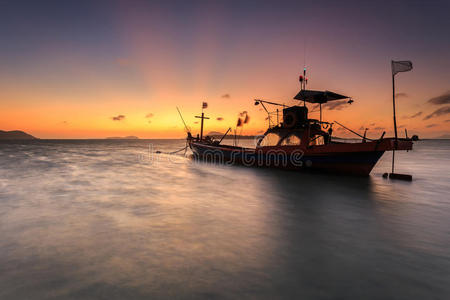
107	219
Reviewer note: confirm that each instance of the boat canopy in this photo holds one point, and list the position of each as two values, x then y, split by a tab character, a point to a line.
318	96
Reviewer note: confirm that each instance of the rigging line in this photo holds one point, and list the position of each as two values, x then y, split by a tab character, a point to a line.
185	126
353	131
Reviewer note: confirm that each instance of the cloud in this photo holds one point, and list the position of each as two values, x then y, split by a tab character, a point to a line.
227	96
379	128
438	112
431	125
442	99
401	95
118	118
195	122
149	115
415	115
372	124
149	121
446	121
219	119
336	105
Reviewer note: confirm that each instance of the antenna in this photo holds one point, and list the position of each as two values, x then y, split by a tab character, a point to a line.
304	53
302	78
305	81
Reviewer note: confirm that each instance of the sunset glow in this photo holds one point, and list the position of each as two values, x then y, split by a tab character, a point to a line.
69	70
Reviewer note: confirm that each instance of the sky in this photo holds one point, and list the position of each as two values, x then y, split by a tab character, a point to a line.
93	69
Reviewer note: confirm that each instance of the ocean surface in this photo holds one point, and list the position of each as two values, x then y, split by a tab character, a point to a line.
109	219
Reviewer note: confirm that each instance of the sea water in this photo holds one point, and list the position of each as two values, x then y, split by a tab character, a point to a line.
104	219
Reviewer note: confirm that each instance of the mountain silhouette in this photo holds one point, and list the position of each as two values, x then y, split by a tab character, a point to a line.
15	135
131	137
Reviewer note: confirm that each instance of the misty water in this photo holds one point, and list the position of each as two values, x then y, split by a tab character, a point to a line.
107	219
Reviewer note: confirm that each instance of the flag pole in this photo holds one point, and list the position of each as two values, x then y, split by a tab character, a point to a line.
395	118
397	66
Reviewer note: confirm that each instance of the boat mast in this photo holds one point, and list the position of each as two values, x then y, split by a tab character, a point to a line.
201	126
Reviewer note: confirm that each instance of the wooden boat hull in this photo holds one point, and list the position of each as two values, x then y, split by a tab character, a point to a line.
344	158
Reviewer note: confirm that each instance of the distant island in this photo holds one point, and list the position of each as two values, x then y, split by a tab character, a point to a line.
443	137
15	135
131	137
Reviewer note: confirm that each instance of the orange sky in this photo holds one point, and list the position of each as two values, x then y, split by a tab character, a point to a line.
149	61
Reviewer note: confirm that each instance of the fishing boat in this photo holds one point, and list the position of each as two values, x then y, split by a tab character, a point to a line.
295	141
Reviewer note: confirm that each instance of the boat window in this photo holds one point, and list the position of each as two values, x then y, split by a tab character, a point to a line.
270	139
291	140
317	140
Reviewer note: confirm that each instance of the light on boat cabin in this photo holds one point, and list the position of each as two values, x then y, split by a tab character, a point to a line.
272	139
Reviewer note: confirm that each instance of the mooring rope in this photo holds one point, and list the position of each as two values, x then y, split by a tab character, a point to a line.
173	152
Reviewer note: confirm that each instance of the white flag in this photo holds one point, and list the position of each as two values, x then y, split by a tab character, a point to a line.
401	66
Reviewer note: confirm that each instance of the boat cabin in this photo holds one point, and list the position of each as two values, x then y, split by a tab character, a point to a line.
297	129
